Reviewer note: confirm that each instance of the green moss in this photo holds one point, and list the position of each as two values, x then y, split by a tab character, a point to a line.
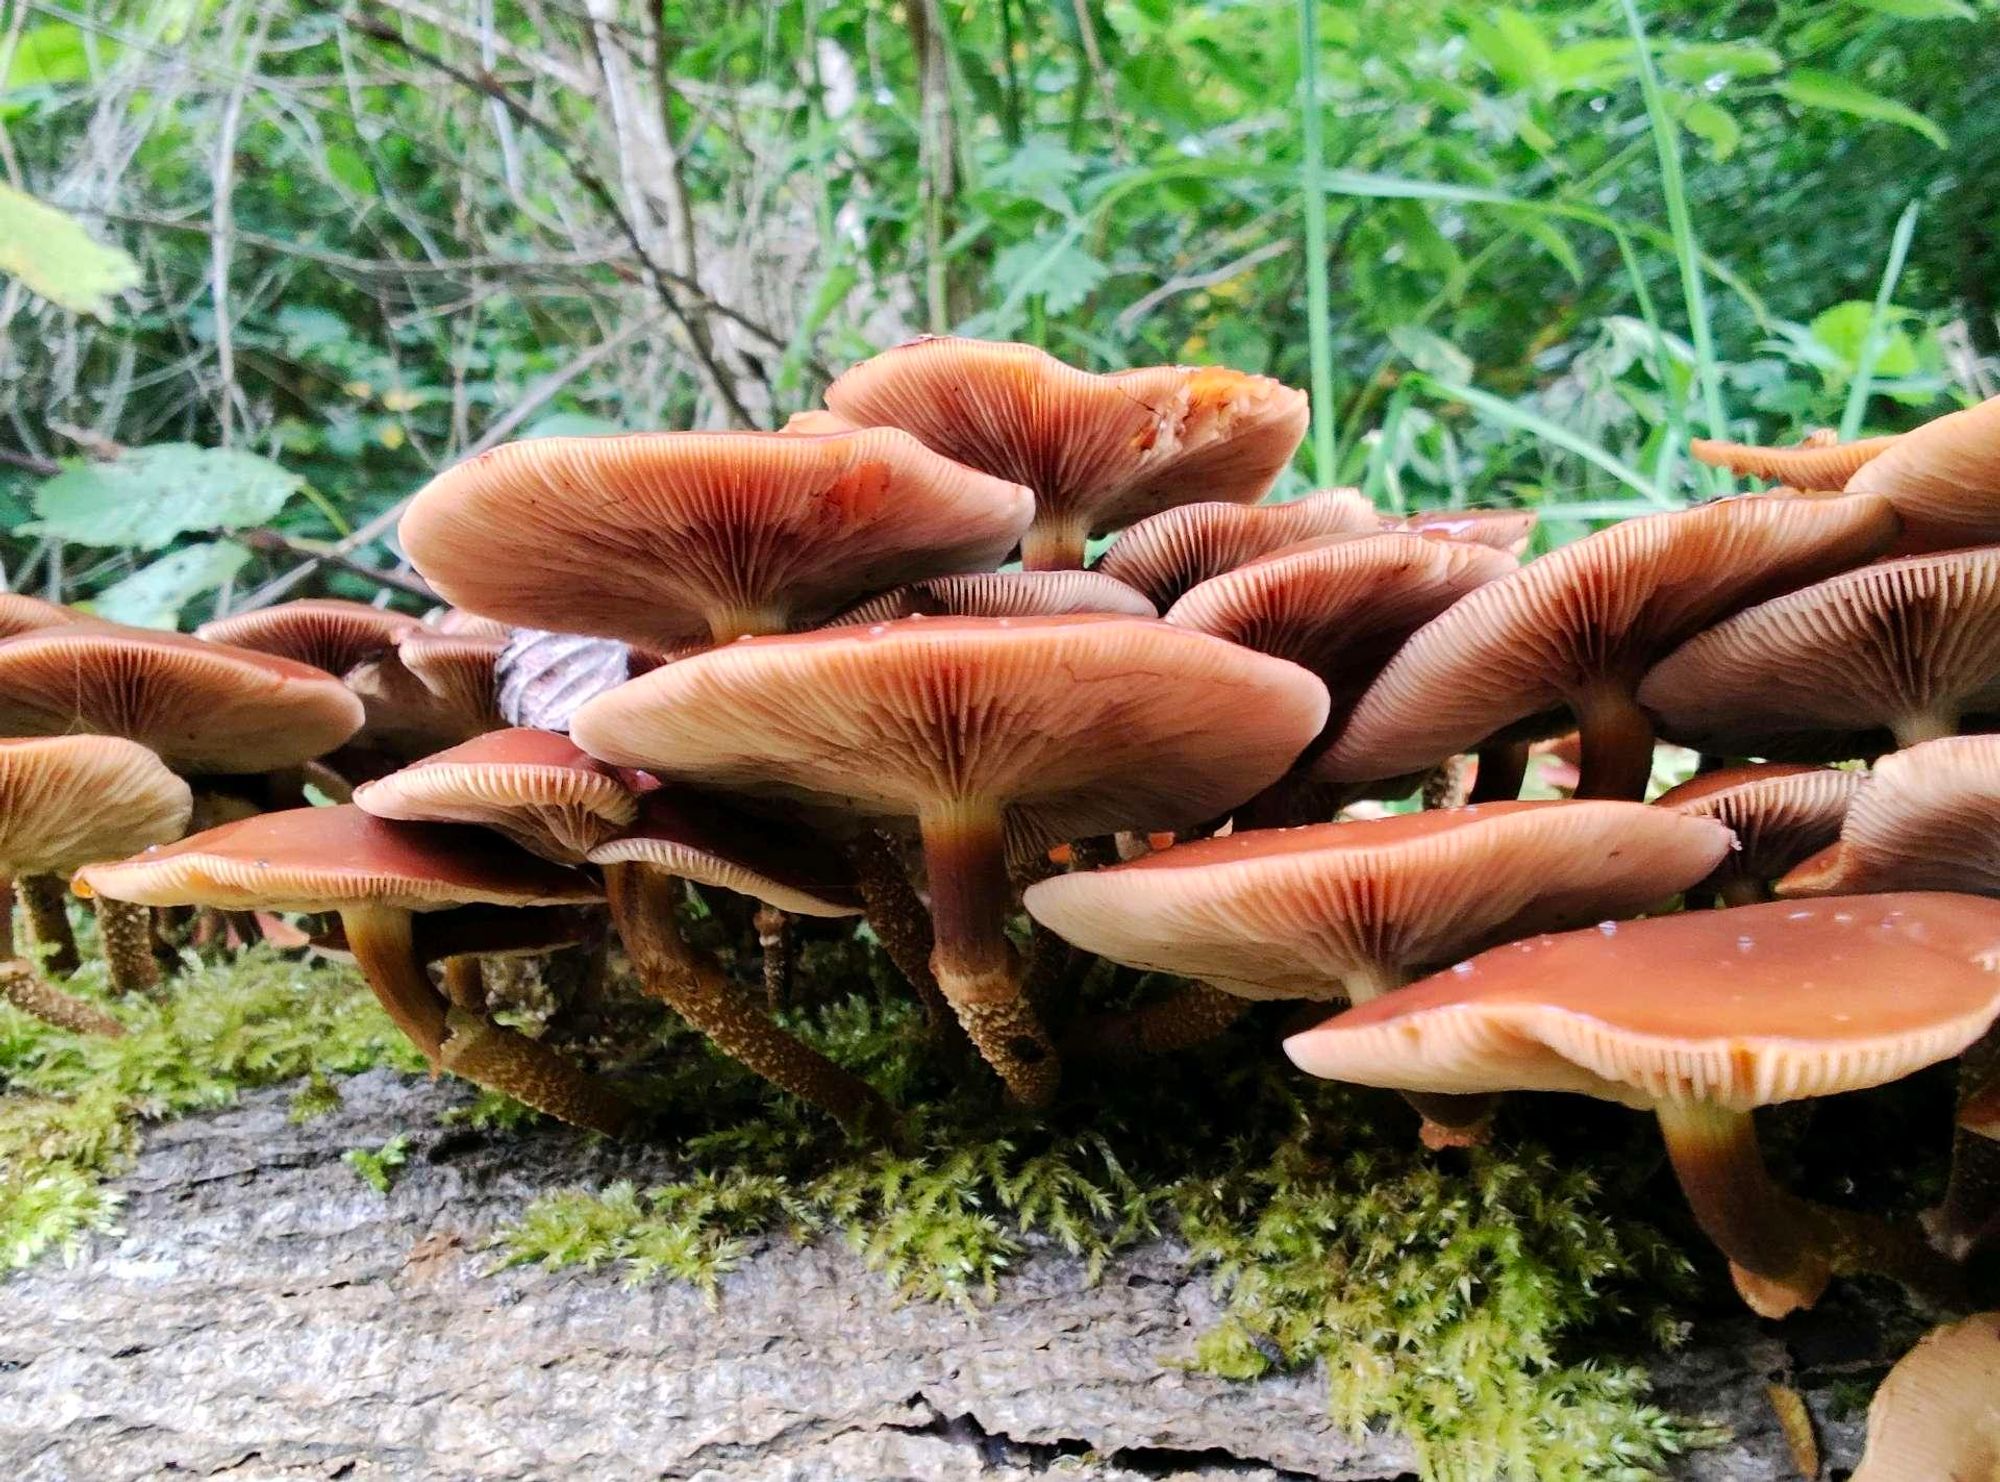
75	1104
377	1167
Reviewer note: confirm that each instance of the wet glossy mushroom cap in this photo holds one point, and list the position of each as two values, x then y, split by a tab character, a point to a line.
659	538
1340	606
321	631
1927	819
1586	621
1100	451
1001	594
1848	667
1943	478
1167	554
536	787
1821	461
68	800
204	707
1084	724
1737	1009
1779	813
1503	529
1936	1417
20	614
1296	913
704	839
322	859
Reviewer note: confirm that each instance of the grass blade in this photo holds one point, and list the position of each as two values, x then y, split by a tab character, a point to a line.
1312	189
1506	414
1871	342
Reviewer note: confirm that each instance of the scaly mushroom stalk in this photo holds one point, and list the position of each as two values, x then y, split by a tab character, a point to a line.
126	933
1193	1014
965	859
774	942
44	899
897	917
33	995
464	984
642	905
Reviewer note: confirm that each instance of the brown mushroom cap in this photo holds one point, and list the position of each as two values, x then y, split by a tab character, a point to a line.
1943	478
21	614
458	671
1000	594
1299	912
1083	724
1503	529
462	624
1586	621
1822	461
321	859
705	840
1936	1417
1340	606
323	632
68	800
658	538
1779	813
1167	554
1736	1009
1928	819
204	707
536	787
1100	452
1899	649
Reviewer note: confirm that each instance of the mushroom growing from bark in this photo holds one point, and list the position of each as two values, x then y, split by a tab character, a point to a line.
1889	655
1572	634
987	731
376	875
1780	814
1701	1018
1100	451
66	801
1167	554
1356	910
1936	1417
664	538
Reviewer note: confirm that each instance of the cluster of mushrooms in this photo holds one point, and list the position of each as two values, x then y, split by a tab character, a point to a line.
789	667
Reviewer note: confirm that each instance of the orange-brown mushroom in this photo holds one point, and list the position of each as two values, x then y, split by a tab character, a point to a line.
986	730
1572	634
324	632
1936	1417
1100	451
1820	461
1000	594
1504	529
1780	814
1943	478
1167	554
1702	1017
23	614
662	538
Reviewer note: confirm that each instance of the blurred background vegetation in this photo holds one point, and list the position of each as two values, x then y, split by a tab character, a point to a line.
268	263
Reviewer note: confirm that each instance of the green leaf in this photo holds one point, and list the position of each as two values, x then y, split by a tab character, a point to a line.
154	596
1843	329
1921	10
1714	126
1835	94
57	258
49	55
350	169
147	497
1511	44
1584	66
1060	271
1699	61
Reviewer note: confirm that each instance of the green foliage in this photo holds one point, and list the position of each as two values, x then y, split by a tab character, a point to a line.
377	1167
148	497
56	258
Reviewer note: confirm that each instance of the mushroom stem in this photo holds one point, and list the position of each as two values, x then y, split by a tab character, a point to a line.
1054	543
1925	725
464	984
1969	1215
126	932
383	944
976	966
505	1060
730	624
33	995
1450	1121
898	919
45	899
774	940
1742	890
1503	767
1193	1014
1617	745
6	918
642	905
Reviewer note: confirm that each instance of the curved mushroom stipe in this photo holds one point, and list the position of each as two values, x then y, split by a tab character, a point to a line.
126	933
45	900
897	916
35	996
1191	1014
492	1055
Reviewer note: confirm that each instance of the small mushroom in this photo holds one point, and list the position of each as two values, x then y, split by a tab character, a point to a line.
1504	529
1820	461
376	875
64	802
1167	554
1889	655
988	731
324	632
1100	451
1000	594
1936	1417
1702	1017
24	614
1780	814
1572	634
1943	478
663	538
